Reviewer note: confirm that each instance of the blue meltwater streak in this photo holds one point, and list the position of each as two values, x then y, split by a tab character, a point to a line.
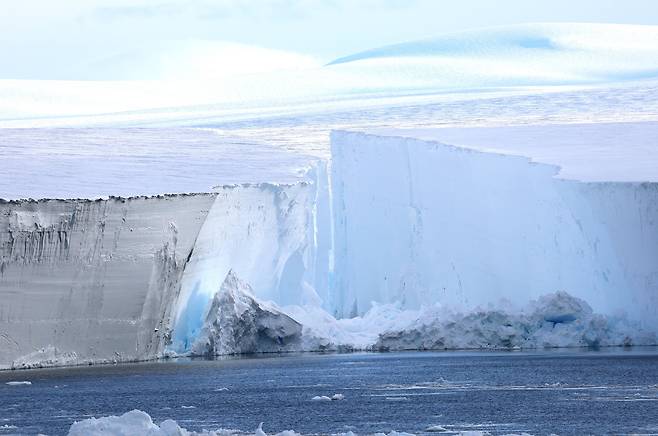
191	320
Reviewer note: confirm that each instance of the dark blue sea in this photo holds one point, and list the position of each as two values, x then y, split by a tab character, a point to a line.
563	392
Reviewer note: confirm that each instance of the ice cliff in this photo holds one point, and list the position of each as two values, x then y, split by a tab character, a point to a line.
398	243
419	222
85	280
106	280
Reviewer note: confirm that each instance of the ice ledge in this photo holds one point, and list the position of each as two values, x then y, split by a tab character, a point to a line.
624	152
119	198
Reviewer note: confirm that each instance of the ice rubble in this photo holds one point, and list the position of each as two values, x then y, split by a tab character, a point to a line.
140	423
552	321
237	322
555	320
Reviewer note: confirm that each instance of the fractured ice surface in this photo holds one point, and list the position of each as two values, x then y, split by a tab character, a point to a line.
555	320
236	323
264	234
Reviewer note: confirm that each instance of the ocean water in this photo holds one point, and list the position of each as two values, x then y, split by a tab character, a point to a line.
564	392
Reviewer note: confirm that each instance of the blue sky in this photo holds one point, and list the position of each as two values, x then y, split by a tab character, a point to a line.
42	39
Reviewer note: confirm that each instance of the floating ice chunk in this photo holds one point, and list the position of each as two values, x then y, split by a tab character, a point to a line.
19	383
133	422
436	428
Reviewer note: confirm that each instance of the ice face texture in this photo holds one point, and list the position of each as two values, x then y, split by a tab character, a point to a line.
422	222
238	323
107	280
86	280
397	226
555	320
264	235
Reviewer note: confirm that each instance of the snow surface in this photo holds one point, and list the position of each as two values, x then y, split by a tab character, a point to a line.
522	55
601	152
90	163
519	55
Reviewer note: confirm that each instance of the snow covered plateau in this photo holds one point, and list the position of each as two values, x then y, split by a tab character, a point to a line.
373	203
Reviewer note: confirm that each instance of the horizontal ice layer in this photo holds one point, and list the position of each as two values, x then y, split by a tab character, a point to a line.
421	222
90	163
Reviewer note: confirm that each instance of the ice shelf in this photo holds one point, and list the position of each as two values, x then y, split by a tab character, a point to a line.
362	250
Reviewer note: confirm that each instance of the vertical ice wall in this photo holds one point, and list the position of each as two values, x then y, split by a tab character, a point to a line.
88	281
421	222
265	233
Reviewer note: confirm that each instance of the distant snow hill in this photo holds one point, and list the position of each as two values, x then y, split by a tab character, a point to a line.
201	80
538	54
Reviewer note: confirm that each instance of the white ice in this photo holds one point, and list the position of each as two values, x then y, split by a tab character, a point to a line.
140	423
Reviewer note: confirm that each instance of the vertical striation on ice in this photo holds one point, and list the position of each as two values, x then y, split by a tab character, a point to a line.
420	222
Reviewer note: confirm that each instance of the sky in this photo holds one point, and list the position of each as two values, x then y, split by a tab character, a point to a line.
79	39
